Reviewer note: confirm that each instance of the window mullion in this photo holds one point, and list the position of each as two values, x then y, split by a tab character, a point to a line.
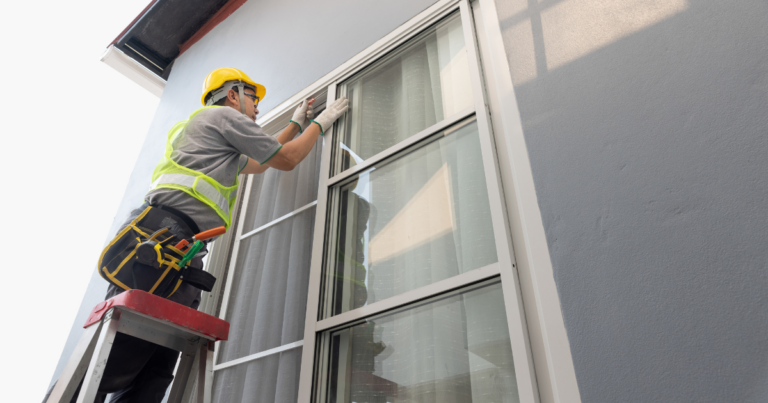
315	275
522	355
256	356
277	221
409	297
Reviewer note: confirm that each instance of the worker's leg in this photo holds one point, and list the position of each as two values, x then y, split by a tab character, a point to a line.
152	382
127	359
130	355
148	383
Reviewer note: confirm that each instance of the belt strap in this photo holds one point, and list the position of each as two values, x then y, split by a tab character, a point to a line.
176	214
199	278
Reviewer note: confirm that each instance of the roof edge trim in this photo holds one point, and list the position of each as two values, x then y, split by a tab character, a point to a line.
225	11
138	17
135	72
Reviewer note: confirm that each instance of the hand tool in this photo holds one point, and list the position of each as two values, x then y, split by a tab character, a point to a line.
198	244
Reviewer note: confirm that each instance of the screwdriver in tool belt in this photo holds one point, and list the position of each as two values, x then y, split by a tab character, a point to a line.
197	243
201	237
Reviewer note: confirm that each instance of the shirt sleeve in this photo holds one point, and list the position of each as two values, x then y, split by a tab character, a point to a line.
246	136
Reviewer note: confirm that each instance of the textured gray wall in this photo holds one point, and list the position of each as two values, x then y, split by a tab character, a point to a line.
647	128
285	45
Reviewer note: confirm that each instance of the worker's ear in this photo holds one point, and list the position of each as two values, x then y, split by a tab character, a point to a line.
233	97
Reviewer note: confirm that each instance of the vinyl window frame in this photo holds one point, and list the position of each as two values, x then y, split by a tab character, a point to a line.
313	366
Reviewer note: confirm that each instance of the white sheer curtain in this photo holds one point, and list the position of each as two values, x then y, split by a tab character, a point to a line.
267	302
419	219
416	88
412	357
425	217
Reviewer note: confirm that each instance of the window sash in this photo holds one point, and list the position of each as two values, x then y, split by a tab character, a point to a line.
505	266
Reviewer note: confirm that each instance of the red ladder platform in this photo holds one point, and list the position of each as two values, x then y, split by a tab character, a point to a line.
148	317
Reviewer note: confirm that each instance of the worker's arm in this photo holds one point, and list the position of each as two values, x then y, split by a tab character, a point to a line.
288	133
253	167
293	152
301	118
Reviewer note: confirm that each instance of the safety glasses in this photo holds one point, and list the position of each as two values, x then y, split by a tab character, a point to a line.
253	97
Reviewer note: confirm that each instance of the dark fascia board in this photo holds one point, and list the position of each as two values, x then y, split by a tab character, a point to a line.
155	37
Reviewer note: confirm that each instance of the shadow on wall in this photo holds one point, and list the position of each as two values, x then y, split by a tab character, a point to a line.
646	122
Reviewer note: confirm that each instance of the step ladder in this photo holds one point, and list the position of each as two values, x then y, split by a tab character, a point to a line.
148	317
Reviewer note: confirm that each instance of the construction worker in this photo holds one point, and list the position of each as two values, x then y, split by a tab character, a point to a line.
193	189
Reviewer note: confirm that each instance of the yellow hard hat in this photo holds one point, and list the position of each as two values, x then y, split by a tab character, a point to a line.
218	77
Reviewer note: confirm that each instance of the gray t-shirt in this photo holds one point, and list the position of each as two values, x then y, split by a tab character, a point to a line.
216	142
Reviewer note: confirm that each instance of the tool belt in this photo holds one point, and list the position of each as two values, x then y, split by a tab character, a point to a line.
159	272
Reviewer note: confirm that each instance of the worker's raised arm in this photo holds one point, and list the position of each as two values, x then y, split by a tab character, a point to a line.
293	152
300	120
253	167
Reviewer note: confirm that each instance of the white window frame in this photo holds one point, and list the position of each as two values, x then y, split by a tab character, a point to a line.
512	191
504	268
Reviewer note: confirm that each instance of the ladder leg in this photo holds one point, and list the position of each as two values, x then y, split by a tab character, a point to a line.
98	362
205	372
76	366
182	372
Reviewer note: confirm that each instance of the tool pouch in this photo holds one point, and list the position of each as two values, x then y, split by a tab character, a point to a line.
158	272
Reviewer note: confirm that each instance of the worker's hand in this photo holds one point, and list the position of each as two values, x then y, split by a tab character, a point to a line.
303	114
331	113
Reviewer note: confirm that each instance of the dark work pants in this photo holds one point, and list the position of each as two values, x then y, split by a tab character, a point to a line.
139	371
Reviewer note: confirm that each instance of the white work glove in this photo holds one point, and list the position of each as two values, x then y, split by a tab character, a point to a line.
331	113
303	114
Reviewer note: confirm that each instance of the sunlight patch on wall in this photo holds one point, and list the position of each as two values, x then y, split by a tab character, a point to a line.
558	32
574	28
522	56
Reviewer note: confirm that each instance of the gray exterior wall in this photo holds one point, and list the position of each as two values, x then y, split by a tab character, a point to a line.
285	45
647	128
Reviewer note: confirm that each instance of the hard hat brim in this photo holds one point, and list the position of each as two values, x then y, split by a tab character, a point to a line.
218	77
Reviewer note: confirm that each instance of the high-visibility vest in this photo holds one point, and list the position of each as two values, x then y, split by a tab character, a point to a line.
170	175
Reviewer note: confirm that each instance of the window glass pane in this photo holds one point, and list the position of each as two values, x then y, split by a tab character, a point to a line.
419	85
277	193
274	378
268	301
452	349
419	219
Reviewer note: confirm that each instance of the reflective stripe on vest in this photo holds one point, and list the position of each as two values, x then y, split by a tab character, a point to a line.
198	184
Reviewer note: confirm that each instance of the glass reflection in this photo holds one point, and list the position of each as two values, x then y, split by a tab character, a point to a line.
416	220
453	349
419	85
